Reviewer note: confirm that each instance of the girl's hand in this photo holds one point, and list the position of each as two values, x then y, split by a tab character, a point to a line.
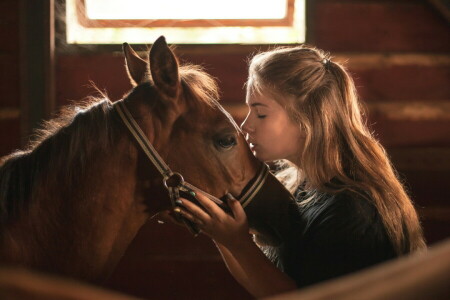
226	229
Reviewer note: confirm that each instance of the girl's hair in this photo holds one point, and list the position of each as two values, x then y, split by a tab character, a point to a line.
339	153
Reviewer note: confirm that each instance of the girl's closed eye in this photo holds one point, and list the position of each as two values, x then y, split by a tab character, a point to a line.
260	113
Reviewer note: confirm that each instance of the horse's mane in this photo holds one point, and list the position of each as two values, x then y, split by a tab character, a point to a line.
58	152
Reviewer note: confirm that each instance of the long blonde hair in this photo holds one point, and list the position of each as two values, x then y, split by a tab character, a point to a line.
339	154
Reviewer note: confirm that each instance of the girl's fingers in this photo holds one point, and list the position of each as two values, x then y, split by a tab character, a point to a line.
194	209
212	208
188	216
236	208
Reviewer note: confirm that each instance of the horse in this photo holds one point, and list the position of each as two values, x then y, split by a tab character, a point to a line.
74	199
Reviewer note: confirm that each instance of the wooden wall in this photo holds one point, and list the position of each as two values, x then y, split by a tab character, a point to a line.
9	76
398	54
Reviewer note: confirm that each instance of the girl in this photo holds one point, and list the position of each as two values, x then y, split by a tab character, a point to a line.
304	113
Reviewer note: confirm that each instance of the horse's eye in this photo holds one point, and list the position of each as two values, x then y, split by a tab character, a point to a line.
226	142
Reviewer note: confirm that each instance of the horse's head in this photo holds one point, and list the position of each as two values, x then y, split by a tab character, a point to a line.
178	111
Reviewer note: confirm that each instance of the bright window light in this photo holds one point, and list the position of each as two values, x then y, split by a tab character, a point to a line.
185	22
182	9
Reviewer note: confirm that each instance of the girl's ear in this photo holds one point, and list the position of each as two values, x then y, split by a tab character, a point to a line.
164	68
136	66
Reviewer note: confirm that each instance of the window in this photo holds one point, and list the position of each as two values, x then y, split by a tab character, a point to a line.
185	22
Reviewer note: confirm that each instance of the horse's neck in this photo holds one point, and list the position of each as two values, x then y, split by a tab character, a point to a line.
113	212
81	234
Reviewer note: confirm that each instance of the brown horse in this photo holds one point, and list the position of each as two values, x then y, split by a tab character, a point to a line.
72	203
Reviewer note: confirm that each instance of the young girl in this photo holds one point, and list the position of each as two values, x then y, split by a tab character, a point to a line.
355	213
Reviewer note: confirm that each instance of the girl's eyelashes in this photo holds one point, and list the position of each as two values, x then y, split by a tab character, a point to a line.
258	113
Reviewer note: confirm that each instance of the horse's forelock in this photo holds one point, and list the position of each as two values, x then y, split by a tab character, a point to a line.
198	85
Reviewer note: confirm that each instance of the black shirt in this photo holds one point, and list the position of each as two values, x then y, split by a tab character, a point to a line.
338	234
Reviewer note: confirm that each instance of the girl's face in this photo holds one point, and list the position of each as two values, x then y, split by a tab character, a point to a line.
271	133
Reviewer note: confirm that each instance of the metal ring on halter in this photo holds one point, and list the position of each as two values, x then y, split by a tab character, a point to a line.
173	180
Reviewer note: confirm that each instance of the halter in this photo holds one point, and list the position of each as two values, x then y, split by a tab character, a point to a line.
173	181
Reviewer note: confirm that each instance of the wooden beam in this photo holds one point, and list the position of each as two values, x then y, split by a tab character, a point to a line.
435	213
37	68
420	158
20	283
411	110
372	61
423	275
8	113
442	7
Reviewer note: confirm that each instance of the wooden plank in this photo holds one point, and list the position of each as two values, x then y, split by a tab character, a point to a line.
9	83
411	133
426	187
21	283
75	75
420	275
37	62
400	77
9	26
379	26
436	231
403	83
10	36
9	11
9	113
9	135
442	7
374	61
403	77
411	110
408	105
435	220
437	213
421	158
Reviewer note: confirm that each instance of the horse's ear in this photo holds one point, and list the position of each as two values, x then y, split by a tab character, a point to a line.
136	66
164	68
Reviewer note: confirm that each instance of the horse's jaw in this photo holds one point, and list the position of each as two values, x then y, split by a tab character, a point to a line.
273	215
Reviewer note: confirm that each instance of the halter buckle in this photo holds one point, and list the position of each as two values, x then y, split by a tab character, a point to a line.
173	180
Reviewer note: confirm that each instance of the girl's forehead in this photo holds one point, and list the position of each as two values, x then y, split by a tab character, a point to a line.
260	97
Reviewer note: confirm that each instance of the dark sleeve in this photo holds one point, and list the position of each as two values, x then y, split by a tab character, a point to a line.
342	235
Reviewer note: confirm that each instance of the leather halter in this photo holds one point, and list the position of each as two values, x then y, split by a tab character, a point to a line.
173	181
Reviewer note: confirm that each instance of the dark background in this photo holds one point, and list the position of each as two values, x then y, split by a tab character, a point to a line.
397	52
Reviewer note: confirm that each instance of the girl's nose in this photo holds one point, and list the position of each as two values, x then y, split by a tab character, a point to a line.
246	126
